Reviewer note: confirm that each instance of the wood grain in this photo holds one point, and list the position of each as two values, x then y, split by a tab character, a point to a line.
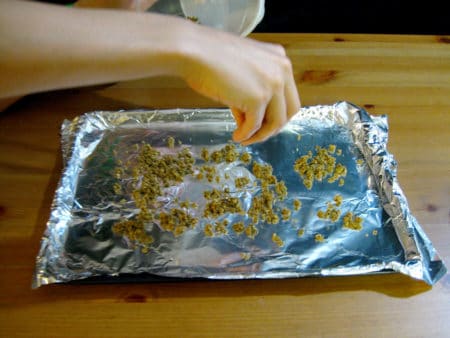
405	77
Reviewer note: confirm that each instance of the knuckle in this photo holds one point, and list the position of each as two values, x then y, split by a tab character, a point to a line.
263	97
279	49
254	103
277	83
286	65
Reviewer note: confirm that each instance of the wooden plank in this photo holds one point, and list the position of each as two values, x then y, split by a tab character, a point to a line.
405	77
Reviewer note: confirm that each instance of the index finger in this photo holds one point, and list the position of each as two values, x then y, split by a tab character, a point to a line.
248	124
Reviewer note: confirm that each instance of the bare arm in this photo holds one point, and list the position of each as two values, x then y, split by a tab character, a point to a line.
46	47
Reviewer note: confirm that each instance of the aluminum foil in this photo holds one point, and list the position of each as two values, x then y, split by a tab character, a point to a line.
79	243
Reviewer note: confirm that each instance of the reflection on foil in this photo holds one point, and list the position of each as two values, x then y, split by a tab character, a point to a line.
79	242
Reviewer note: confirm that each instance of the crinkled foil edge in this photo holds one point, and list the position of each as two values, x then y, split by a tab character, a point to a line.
421	259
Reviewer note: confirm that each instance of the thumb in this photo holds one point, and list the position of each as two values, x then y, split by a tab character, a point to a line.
246	124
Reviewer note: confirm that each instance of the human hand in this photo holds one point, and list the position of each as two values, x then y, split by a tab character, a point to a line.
254	79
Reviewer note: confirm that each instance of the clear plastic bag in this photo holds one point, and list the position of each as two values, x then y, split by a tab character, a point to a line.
238	17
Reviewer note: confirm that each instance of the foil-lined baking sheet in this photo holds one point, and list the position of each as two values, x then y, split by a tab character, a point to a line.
79	241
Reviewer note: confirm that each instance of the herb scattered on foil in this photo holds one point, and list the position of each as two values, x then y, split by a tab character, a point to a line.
153	173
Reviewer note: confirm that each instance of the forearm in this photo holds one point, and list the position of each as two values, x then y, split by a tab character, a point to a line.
45	47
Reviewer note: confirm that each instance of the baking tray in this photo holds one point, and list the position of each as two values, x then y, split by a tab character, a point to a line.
352	223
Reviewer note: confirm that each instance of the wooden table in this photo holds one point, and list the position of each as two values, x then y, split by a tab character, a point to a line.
406	77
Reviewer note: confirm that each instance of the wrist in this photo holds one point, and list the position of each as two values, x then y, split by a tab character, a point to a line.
165	45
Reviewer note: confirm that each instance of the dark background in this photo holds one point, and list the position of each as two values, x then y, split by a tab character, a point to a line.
349	16
429	17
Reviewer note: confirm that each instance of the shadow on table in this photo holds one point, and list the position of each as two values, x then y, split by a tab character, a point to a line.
138	291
